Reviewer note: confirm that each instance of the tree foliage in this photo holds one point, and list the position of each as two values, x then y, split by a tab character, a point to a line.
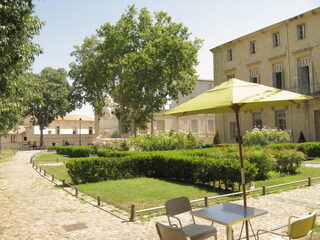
17	28
51	98
141	61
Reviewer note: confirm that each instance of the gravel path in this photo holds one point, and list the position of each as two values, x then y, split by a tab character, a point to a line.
32	208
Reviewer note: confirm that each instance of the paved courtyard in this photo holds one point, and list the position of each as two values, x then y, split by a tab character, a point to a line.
32	208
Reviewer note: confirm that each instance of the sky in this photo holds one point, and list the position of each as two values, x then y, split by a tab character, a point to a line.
68	22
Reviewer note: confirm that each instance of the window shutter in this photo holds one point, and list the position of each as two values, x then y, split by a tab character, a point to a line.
274	79
282	79
299	82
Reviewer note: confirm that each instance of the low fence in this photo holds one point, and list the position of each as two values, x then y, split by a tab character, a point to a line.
133	211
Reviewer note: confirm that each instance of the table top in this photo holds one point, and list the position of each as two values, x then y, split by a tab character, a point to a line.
228	213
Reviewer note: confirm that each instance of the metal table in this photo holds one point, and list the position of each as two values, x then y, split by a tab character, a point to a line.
229	214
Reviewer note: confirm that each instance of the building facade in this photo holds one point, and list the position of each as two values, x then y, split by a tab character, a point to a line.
285	55
75	129
203	125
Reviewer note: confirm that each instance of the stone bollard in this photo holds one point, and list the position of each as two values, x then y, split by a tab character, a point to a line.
263	190
52	177
76	192
309	181
206	201
98	201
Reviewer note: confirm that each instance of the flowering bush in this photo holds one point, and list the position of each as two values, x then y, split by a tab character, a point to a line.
266	136
164	141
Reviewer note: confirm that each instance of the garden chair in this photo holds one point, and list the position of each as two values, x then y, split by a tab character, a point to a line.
298	227
170	233
194	231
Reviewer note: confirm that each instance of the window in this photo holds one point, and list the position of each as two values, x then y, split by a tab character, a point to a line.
194	126
233	130
304	72
229	55
317	124
229	76
90	130
301	31
254	76
13	138
280	119
57	130
49	132
277	76
25	138
252	47
256	120
210	126
74	130
276	39
160	125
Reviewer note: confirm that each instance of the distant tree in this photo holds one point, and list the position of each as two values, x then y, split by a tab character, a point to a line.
51	97
17	28
141	61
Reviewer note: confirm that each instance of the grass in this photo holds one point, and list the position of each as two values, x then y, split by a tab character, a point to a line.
59	172
50	158
144	192
5	155
150	192
314	160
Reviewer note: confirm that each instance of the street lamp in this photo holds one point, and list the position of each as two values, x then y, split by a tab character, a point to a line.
80	132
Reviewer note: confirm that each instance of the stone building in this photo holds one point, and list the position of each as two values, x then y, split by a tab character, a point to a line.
285	55
76	129
203	125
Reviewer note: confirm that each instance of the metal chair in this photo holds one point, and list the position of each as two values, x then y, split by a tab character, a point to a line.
298	227
194	231
170	233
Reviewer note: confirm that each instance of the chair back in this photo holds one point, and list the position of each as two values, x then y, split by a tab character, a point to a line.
177	205
170	233
302	226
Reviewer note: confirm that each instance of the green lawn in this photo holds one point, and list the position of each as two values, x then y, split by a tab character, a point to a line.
150	192
51	157
314	160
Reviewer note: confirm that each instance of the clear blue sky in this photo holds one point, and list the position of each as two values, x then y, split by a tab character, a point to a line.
68	22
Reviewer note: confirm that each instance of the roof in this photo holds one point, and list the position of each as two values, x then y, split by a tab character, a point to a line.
76	118
313	11
17	130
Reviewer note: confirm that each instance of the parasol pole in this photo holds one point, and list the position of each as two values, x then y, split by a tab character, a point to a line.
236	109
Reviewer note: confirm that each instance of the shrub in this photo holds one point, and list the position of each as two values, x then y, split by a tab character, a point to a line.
311	149
265	136
263	162
75	151
217	139
288	161
162	141
168	165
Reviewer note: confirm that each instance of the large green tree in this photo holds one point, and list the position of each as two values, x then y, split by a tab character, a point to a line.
52	97
17	51
141	61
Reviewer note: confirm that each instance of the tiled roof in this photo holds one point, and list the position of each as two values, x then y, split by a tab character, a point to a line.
76	118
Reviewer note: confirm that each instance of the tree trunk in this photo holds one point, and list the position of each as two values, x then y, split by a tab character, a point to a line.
133	127
41	136
151	124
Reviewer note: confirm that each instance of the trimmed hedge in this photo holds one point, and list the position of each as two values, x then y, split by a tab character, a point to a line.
311	149
191	169
74	151
288	161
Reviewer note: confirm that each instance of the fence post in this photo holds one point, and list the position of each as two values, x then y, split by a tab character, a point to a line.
309	181
39	169
52	177
63	182
76	192
206	201
99	200
263	190
33	164
44	172
133	213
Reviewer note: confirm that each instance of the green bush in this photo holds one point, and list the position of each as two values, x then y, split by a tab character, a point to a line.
311	149
288	161
217	139
263	161
163	141
110	153
265	136
74	151
167	165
